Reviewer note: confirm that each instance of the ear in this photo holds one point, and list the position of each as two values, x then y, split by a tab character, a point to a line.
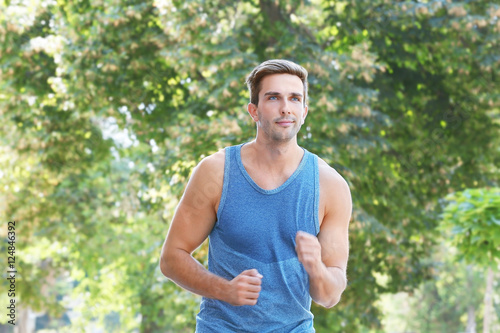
306	109
252	111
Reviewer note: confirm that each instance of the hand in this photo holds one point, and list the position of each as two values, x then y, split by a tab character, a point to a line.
308	251
245	288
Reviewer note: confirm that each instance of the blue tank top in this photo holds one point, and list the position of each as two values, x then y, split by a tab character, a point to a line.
256	228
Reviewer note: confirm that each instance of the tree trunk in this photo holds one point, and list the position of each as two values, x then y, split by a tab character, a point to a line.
471	320
488	301
471	317
25	321
272	10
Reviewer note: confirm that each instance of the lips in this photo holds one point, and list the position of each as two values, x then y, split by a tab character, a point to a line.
285	122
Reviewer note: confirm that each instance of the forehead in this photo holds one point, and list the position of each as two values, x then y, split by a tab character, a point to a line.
283	83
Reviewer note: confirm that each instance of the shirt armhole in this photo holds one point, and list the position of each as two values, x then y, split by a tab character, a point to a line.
316	195
227	162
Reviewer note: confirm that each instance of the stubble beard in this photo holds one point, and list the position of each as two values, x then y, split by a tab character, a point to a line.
279	136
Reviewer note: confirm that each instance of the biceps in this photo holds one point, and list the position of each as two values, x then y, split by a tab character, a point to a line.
192	223
334	240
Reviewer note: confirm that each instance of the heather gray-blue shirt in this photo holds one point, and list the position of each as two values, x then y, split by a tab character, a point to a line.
256	228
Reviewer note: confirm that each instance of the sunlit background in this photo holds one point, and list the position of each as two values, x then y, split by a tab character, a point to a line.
107	105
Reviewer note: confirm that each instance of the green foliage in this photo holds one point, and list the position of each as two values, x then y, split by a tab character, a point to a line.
429	144
106	106
473	216
441	303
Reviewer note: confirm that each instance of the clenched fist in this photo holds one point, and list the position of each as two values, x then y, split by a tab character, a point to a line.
245	288
308	251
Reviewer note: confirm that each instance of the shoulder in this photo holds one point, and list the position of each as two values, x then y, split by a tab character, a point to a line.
210	169
205	183
334	189
330	178
212	164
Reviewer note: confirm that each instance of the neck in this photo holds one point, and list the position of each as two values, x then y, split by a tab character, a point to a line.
275	155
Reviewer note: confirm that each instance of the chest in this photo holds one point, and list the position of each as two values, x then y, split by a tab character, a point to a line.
264	228
262	224
269	180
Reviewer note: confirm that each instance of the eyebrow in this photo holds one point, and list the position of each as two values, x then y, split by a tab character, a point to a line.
275	93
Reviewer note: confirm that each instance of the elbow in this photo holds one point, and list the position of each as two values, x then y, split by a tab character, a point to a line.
330	299
165	267
171	260
330	303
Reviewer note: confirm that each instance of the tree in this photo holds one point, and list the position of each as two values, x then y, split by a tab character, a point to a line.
438	91
447	302
473	216
106	106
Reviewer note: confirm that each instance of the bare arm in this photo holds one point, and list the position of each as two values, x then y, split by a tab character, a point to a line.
193	221
325	257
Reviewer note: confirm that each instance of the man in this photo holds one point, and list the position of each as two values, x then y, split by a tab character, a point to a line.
276	216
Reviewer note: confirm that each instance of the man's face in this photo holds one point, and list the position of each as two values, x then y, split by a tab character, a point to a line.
281	111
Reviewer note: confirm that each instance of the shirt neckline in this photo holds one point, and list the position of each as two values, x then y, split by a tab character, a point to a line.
279	188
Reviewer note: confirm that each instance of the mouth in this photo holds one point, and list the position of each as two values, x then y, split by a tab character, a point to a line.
285	122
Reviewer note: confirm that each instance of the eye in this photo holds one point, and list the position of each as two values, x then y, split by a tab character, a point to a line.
272	98
296	99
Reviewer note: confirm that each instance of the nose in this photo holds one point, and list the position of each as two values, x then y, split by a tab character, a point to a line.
285	107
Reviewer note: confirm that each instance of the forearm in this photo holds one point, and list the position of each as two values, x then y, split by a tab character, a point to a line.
326	285
180	267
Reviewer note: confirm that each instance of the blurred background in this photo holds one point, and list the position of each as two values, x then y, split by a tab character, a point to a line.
107	105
